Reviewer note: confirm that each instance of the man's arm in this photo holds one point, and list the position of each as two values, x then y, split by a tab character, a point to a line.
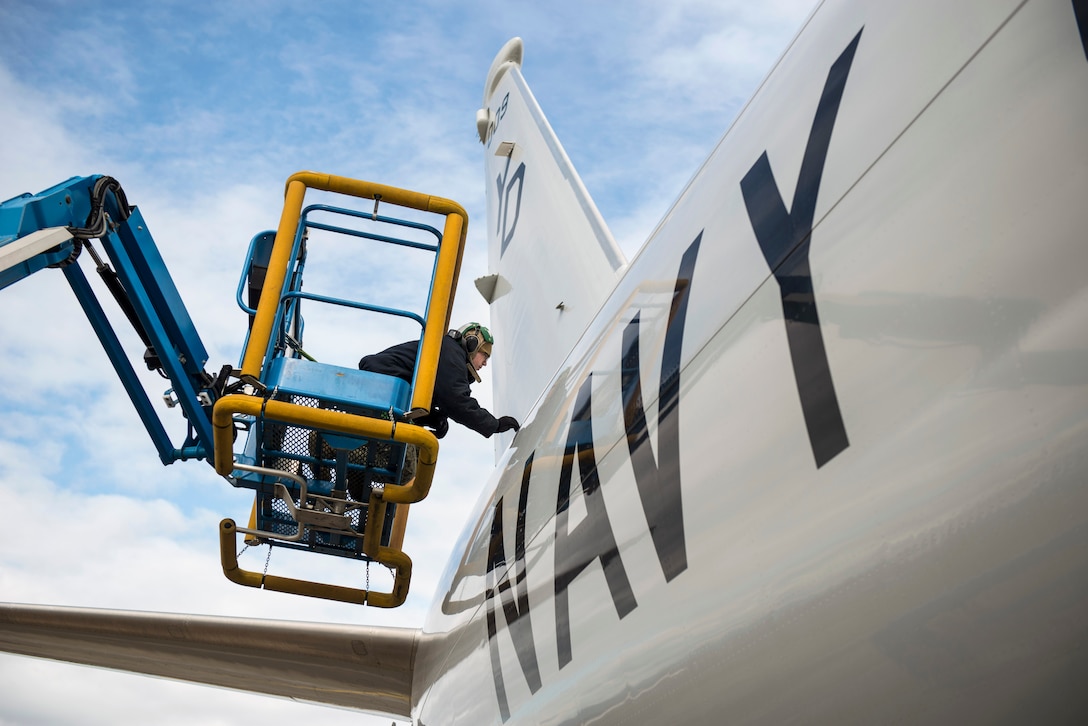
453	394
457	403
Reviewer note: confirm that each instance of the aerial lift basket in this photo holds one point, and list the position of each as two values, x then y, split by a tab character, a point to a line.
334	454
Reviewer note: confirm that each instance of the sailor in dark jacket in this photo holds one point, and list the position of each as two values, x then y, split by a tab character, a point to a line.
464	352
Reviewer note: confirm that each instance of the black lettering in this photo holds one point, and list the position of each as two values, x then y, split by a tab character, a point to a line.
496	119
784	237
659	483
506	183
593	539
1080	10
518	622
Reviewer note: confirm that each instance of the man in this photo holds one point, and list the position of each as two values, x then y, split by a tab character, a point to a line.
464	352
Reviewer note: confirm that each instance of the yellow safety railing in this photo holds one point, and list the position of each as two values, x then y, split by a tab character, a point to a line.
447	269
396	560
337	421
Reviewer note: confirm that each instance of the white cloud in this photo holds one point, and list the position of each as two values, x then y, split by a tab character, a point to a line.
35	150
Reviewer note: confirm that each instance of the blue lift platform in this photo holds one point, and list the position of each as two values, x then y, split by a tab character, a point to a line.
332	454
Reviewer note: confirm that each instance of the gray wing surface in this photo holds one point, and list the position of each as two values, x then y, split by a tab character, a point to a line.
366	668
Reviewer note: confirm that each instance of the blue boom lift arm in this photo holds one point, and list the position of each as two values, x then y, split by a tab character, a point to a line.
51	229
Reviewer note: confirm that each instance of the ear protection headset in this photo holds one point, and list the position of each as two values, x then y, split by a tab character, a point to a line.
472	336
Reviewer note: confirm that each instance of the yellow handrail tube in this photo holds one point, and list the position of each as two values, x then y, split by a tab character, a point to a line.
400	562
438	313
367	190
386	555
277	272
338	421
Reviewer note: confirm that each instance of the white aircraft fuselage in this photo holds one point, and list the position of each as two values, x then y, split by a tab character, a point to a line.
820	456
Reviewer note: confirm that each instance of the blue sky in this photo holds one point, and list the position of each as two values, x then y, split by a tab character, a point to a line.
201	111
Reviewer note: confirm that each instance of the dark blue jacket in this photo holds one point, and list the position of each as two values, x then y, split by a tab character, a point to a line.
452	394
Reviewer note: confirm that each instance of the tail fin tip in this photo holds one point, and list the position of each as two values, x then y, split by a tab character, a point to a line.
510	54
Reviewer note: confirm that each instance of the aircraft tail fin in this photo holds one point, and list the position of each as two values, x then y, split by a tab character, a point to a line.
551	260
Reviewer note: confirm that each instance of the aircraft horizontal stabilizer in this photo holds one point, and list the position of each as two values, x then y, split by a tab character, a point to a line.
352	666
552	261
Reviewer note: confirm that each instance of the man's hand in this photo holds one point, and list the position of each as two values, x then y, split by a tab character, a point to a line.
506	423
440	427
